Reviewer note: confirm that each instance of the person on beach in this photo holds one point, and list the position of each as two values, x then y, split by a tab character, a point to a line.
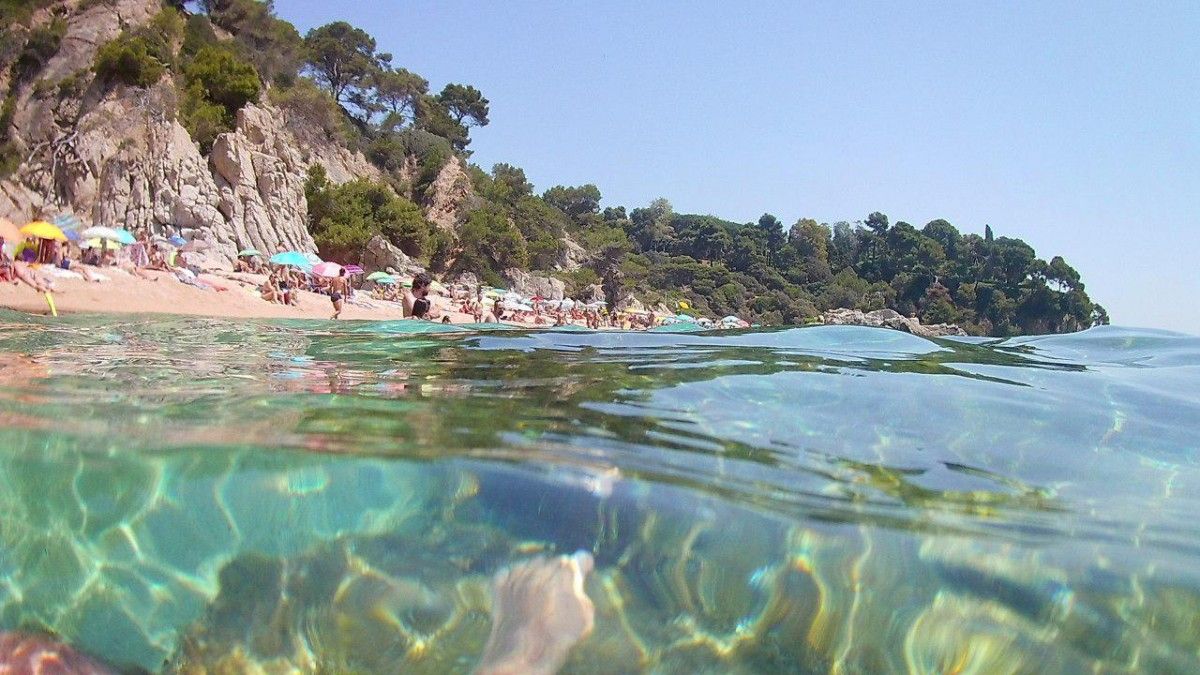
339	288
416	301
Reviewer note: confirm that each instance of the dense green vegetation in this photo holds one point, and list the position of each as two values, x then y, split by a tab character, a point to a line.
334	80
342	218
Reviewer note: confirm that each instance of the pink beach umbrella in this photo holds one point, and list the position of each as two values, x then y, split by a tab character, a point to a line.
353	269
327	269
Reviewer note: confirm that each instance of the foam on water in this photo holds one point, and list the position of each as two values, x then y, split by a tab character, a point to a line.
186	493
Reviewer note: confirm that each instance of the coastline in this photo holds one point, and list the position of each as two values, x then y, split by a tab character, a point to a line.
123	293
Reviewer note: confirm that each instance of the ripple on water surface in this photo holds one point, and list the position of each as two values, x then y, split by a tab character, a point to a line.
187	494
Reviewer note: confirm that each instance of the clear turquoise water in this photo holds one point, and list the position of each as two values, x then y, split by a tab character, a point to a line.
192	494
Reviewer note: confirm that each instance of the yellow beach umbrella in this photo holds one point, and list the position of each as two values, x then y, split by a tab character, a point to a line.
43	230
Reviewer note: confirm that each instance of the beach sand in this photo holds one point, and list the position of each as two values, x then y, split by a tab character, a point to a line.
124	293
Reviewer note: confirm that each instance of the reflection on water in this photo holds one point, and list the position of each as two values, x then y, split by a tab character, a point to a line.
205	496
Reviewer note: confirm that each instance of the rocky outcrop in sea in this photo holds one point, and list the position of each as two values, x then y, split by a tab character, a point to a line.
888	318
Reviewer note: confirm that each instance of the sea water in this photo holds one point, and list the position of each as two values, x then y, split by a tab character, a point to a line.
193	494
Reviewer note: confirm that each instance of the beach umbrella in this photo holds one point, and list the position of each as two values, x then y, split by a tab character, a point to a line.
125	236
685	317
177	241
249	253
327	269
380	276
43	230
386	280
67	221
101	232
290	259
312	258
100	243
353	269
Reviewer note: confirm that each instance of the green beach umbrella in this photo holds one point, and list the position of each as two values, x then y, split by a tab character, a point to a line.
380	276
249	253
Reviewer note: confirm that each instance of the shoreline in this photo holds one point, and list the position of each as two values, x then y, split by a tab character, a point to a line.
124	293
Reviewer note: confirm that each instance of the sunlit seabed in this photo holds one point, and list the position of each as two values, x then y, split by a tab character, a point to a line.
190	494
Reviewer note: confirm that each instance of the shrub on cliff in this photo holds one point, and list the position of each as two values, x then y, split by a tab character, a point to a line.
129	59
219	83
343	218
223	77
40	45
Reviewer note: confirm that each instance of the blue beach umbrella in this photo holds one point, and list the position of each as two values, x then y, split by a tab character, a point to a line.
291	259
68	221
125	236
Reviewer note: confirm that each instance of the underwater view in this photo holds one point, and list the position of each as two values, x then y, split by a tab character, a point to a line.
199	495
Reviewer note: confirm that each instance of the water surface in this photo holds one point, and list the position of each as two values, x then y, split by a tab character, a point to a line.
179	494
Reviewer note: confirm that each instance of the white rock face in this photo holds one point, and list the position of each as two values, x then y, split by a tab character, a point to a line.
118	156
530	285
448	193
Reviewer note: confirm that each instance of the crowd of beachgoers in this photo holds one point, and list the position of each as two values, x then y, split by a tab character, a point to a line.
49	257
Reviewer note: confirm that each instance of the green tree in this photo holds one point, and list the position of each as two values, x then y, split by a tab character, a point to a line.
343	60
490	243
650	227
576	202
434	118
397	94
465	104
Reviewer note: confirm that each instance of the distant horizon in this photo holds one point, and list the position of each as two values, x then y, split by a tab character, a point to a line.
1065	126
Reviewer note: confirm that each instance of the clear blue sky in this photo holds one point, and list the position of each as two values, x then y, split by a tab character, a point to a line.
1074	126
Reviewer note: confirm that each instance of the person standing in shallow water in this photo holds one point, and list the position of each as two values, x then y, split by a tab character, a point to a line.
539	612
339	288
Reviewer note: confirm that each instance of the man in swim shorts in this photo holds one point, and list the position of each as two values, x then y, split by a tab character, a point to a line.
339	288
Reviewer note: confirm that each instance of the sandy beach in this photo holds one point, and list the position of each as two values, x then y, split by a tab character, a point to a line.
123	293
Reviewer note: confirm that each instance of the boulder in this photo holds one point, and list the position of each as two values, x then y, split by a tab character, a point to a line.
888	318
530	285
592	293
630	304
381	255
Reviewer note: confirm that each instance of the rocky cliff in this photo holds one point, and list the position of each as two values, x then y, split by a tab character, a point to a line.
118	156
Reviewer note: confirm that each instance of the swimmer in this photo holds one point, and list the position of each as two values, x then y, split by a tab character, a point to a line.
416	302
